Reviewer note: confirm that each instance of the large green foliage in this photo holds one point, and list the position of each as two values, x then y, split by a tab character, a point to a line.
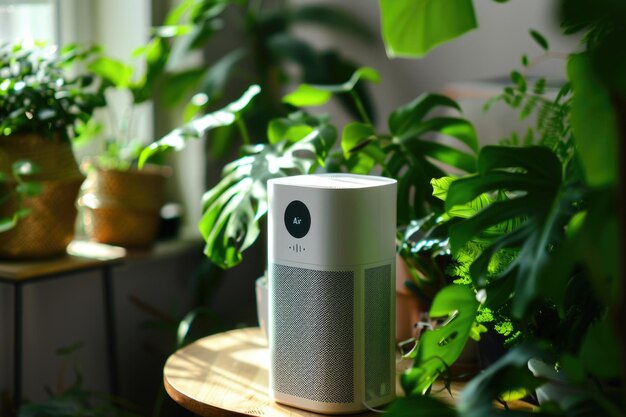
408	152
437	348
552	209
412	28
233	208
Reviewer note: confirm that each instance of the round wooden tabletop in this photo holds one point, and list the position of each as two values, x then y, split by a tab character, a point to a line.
227	374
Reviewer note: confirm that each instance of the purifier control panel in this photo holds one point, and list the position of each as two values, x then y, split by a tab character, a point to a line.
297	219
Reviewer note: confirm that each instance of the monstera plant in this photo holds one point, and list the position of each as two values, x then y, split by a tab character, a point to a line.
302	143
534	232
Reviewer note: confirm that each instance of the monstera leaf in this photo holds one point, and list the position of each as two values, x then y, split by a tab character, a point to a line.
177	138
411	28
232	209
509	373
439	348
408	153
529	181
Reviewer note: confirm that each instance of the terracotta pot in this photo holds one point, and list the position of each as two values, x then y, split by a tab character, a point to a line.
409	310
49	227
123	207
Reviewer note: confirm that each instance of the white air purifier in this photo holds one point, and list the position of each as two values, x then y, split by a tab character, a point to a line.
331	266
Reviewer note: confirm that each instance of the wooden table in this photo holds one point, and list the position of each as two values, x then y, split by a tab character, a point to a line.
227	375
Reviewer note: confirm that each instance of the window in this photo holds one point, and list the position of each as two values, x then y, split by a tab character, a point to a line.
29	20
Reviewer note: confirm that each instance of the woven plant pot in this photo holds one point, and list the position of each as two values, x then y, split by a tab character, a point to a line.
49	228
123	207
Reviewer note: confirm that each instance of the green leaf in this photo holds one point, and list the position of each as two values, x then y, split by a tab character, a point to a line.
405	118
306	95
519	80
85	132
536	160
438	349
23	212
285	129
7	223
524	60
464	211
509	373
118	73
232	209
466	189
442	153
540	39
441	186
411	28
600	342
178	138
29	189
530	213
594	123
353	134
318	95
492	215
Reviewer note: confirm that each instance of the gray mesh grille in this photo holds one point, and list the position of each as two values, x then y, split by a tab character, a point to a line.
313	333
377	322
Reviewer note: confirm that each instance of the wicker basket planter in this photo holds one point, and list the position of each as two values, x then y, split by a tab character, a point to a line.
123	207
49	228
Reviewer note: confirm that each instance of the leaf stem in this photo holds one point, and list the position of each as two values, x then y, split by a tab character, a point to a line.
245	136
359	106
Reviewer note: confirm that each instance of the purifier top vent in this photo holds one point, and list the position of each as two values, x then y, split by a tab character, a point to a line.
334	181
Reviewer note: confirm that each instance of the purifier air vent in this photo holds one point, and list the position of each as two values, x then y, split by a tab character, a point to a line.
313	351
377	327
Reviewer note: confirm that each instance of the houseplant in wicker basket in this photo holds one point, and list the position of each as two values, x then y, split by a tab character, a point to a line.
121	204
42	109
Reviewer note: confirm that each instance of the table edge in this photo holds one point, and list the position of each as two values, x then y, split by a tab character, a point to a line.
195	406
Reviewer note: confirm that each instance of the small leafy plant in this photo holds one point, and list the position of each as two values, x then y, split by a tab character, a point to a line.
122	148
38	94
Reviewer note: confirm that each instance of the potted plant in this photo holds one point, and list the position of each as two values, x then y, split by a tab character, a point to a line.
121	204
302	143
534	232
42	110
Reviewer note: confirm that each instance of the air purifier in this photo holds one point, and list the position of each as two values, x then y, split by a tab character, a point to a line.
331	269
